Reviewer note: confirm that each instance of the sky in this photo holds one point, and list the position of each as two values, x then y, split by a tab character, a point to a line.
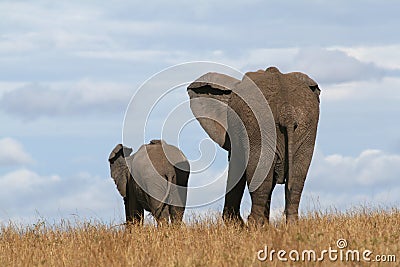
69	69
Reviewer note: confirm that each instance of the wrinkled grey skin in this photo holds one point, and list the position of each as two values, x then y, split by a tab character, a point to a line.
154	179
293	99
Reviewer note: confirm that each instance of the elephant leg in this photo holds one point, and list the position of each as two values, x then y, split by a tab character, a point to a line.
178	194
178	203
159	210
134	211
163	218
294	188
267	210
292	199
233	198
176	214
235	184
261	200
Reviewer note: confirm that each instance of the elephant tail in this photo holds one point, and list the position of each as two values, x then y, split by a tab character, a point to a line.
290	133
288	120
163	203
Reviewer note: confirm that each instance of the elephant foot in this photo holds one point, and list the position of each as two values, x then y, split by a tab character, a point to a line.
237	222
257	221
292	218
130	225
231	217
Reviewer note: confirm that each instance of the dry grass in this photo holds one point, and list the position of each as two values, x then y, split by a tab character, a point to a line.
203	243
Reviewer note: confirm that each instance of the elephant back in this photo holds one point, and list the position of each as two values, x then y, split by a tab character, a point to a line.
296	90
161	156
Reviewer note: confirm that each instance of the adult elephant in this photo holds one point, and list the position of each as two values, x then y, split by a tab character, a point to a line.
154	179
268	123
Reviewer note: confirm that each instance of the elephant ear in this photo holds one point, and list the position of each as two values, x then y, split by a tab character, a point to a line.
114	153
119	170
209	97
308	81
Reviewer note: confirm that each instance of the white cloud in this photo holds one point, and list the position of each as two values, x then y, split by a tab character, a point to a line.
340	181
373	92
24	194
334	66
337	182
59	99
334	181
129	55
371	167
13	153
70	40
325	65
95	192
9	86
24	180
385	56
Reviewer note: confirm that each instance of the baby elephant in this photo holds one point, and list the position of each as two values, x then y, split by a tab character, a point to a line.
154	179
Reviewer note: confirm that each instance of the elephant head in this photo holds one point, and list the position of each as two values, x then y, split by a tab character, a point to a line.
278	114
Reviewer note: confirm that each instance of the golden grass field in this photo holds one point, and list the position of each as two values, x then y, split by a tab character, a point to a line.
205	242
